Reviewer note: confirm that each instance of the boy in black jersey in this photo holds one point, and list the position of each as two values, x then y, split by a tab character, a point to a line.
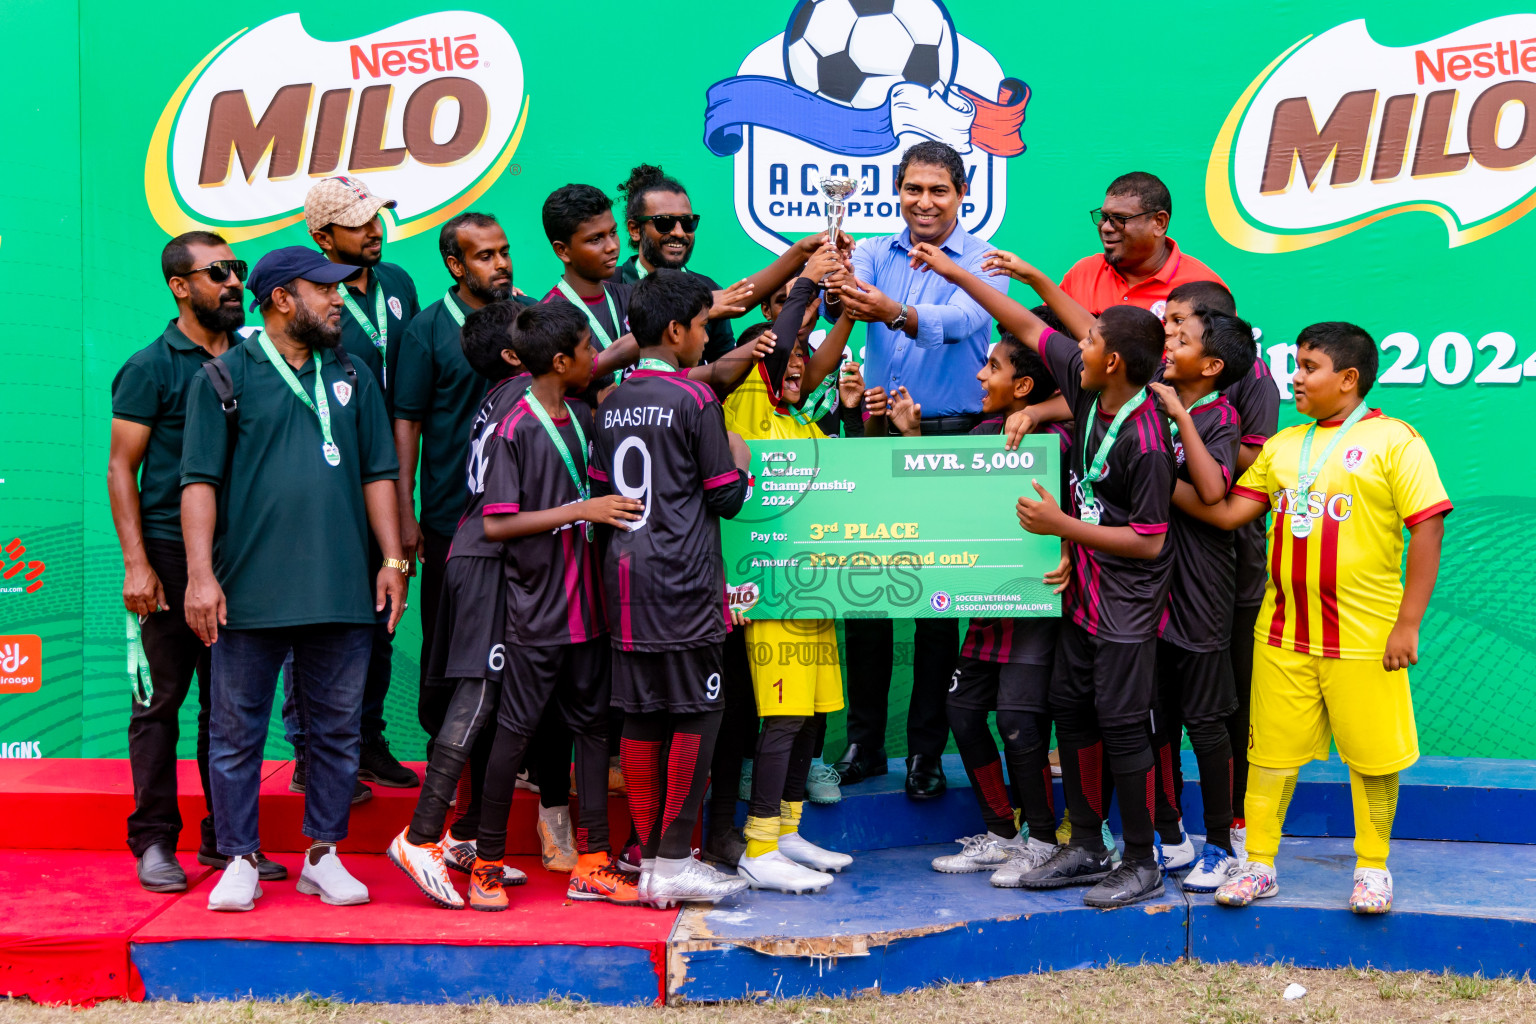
1103	682
1005	664
661	438
468	649
538	505
1206	354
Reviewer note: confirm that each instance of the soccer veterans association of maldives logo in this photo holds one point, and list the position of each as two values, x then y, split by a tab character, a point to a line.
1339	132
843	92
431	109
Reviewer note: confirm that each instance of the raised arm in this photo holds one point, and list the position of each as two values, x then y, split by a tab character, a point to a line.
1074	317
1013	317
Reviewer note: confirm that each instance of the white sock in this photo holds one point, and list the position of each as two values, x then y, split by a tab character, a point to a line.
648	864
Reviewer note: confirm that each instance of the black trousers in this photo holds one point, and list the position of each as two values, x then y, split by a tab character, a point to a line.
431	706
936	651
174	654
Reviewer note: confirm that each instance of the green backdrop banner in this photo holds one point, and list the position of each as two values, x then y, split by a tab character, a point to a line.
1375	167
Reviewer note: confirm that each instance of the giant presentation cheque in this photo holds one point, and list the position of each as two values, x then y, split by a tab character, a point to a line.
892	527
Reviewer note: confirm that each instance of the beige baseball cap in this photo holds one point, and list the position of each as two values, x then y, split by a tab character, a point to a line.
341	200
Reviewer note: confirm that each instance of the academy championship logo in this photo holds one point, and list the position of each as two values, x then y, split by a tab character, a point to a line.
430	109
844	91
1340	132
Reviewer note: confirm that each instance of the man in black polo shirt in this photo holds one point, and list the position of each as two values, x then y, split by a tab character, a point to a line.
149	408
380	302
310	467
436	396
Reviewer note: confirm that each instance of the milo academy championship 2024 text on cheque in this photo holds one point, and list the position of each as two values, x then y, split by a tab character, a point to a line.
892	527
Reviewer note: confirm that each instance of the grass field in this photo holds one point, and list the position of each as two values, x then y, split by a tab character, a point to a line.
1183	993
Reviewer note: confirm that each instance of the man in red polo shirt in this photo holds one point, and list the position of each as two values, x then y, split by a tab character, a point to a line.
1140	264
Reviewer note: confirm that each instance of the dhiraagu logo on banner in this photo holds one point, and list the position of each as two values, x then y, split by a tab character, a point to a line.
844	91
431	110
1340	132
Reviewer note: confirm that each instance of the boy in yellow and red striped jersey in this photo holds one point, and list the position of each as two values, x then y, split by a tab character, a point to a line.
1339	626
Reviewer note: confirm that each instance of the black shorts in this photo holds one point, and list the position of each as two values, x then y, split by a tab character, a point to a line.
1000	686
1195	686
681	682
575	677
468	641
1118	681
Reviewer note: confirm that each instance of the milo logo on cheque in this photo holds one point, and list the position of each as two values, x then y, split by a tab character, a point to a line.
432	109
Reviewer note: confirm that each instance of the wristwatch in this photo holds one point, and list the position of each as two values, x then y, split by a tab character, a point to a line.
398	563
900	319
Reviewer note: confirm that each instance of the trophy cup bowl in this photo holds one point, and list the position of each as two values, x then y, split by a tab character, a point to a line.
836	192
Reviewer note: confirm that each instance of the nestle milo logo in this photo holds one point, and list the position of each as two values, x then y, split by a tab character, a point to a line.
431	109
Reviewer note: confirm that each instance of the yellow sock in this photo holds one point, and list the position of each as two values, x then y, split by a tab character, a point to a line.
1267	800
762	836
1375	800
789	816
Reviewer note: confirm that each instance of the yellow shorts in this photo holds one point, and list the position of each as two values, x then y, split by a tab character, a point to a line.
1301	700
795	667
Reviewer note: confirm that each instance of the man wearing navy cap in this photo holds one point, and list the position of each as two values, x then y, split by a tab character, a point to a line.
301	446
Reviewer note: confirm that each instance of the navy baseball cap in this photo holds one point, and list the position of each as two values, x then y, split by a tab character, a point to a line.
280	266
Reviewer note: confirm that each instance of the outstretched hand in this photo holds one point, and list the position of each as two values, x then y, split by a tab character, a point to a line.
999	263
733	301
926	256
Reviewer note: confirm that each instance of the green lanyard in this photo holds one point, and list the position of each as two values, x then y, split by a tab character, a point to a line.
380	335
320	407
599	333
814	406
452	306
1173	424
660	365
583	486
1090	511
139	682
1301	517
641	272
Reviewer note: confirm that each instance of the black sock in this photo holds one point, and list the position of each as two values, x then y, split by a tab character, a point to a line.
771	763
978	752
507	755
1025	734
1130	758
461	728
1213	752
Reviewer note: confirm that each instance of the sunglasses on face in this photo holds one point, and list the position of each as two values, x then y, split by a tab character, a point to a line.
219	270
664	223
1116	220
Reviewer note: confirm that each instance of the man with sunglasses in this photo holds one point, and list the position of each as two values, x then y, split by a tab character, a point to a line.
1140	264
661	223
149	408
380	301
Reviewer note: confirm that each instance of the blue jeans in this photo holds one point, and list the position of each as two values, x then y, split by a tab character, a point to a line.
375	689
330	662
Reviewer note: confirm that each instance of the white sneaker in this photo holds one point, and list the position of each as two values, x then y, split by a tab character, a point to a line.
978	853
1240	842
239	887
425	866
773	870
802	851
1026	858
331	882
1212	871
690	882
1178	856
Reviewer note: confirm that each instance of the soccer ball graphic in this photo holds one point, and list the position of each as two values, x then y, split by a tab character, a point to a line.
855	51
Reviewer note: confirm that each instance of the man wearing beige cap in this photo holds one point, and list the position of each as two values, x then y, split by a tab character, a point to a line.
342	215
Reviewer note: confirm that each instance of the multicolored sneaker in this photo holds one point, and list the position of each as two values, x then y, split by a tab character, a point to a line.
1253	881
485	890
425	866
1373	891
459	854
597	877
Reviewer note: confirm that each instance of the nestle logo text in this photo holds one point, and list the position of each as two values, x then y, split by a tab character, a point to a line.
1476	60
416	56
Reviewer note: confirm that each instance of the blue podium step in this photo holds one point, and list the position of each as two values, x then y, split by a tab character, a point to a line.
1440	798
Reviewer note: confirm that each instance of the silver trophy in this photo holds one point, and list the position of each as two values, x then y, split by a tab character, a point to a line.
836	192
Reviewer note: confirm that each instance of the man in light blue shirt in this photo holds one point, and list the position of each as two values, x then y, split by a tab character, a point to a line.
928	336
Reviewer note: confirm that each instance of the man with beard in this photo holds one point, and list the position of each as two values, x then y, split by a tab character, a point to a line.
436	396
661	224
342	215
303	450
149	408
1140	264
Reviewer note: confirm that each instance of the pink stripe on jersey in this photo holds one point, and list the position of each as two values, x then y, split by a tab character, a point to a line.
573	621
518	412
499	509
597	474
1149	529
626	630
722	480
